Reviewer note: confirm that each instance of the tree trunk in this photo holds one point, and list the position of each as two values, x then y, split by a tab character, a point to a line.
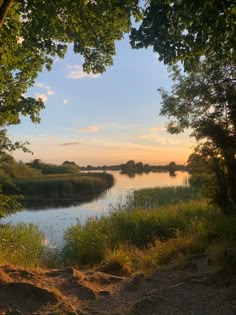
4	8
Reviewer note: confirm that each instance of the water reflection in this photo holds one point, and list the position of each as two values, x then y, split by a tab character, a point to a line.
53	221
34	205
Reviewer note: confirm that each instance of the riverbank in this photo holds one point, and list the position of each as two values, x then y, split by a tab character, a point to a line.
192	287
178	257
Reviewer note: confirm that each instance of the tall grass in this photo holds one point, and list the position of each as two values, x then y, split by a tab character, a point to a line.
62	186
142	239
137	228
160	196
24	245
21	245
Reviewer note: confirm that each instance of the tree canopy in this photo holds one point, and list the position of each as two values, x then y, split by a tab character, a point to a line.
187	30
204	100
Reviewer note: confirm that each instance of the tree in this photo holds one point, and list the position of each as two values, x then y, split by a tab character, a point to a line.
187	30
207	171
139	165
130	164
204	100
5	6
200	34
33	33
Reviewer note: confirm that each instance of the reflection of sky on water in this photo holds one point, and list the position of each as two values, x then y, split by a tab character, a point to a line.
53	222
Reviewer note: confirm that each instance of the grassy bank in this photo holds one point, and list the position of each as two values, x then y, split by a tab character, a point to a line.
151	198
139	239
61	186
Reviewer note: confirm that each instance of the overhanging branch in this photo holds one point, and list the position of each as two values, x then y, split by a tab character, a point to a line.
4	8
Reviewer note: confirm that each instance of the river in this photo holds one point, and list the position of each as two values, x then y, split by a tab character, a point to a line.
54	221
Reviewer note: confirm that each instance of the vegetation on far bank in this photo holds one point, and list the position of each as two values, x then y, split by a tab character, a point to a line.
60	187
48	183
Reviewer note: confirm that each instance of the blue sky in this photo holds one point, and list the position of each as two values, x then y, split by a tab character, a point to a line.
102	119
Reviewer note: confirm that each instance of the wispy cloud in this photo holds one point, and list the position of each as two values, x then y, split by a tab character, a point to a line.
48	89
50	92
91	129
70	143
43	97
42	86
161	128
77	72
160	140
88	129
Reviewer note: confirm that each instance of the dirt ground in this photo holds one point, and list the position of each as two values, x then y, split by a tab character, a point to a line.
188	289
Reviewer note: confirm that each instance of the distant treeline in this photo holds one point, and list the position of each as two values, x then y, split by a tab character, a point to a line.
139	167
66	167
9	168
37	167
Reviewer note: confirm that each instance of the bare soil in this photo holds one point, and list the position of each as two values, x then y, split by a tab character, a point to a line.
188	289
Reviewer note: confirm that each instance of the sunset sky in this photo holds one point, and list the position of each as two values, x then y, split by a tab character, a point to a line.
102	119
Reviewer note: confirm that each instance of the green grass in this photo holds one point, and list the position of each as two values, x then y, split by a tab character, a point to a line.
143	239
136	227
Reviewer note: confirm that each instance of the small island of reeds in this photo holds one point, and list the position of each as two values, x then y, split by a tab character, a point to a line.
49	184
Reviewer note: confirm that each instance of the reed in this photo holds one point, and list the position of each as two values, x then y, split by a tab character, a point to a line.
143	239
61	186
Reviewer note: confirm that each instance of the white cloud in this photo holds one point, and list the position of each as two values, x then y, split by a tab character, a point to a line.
43	97
42	85
48	89
77	72
65	102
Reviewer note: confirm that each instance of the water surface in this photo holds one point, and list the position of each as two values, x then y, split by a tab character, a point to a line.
54	221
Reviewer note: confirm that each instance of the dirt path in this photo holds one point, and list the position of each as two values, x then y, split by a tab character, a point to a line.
190	289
